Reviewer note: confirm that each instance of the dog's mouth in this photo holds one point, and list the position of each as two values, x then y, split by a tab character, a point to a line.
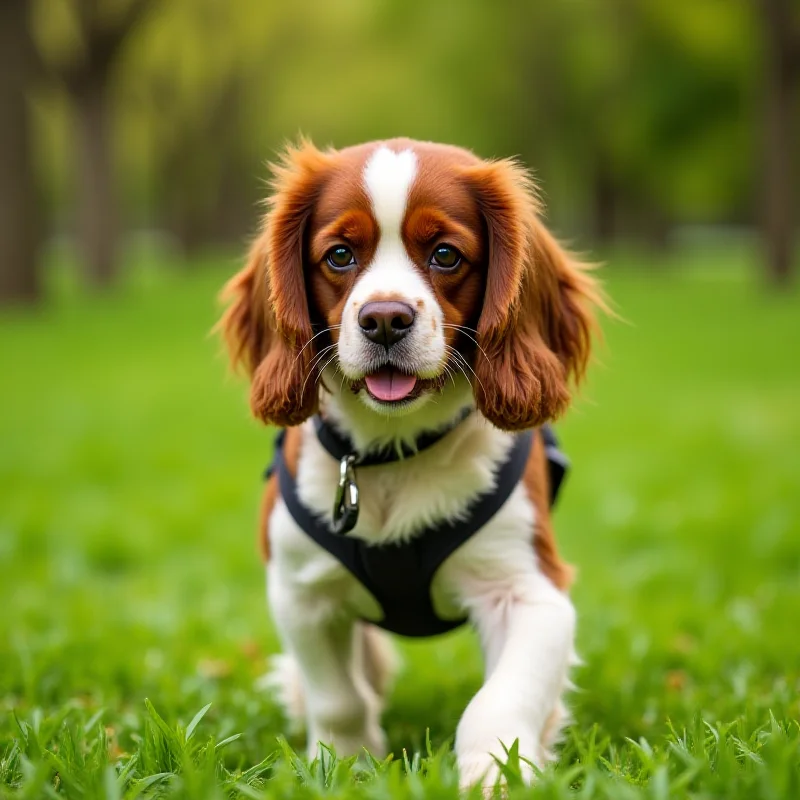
391	386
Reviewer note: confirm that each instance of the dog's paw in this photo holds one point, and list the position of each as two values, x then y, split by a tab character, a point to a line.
478	769
346	744
284	682
483	769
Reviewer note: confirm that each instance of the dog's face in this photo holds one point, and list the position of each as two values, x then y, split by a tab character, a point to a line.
383	269
394	271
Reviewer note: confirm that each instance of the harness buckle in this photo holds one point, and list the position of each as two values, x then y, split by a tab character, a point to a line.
345	507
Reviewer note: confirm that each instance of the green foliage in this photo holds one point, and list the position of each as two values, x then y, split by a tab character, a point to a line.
662	95
134	630
66	756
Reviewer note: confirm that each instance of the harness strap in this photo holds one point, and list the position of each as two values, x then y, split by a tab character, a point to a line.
399	576
557	462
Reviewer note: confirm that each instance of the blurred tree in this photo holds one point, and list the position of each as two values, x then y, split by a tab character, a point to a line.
81	41
637	116
633	113
19	264
658	99
781	25
187	98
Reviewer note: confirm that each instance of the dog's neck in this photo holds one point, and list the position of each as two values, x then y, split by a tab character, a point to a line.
370	430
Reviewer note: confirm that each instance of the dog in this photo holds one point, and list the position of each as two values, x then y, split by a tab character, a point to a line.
407	318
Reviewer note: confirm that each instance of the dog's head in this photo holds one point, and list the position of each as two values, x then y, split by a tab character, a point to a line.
384	268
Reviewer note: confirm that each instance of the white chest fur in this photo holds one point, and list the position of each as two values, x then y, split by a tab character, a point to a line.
399	500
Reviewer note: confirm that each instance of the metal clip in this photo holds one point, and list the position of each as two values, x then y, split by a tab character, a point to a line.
345	507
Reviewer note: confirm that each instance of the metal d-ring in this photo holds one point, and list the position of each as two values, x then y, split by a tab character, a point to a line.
345	507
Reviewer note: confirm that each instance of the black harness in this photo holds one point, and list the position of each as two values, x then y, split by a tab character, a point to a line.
399	575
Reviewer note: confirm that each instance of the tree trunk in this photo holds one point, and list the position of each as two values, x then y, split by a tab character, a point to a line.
604	202
97	203
20	278
778	141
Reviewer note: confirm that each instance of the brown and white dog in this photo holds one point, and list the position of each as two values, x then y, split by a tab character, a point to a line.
394	285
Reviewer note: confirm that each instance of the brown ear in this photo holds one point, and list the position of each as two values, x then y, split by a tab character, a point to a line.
267	325
537	317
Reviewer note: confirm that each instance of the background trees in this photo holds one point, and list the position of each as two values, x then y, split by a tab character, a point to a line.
80	42
19	230
780	21
641	117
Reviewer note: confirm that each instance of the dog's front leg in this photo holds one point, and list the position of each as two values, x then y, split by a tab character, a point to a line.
527	628
342	709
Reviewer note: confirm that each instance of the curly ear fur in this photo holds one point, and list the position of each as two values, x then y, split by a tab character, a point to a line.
537	318
266	325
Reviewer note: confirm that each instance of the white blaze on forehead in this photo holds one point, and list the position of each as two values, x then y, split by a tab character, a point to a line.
391	274
388	177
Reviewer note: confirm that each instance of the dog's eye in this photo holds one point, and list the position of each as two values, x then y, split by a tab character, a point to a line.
445	258
341	258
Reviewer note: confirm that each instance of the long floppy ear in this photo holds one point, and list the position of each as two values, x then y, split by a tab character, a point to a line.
267	326
538	311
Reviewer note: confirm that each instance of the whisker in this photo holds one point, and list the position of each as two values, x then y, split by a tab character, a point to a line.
325	330
325	366
461	327
314	363
464	329
461	369
319	373
319	356
458	355
343	379
449	373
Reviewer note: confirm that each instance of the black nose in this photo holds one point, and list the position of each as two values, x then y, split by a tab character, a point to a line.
385	321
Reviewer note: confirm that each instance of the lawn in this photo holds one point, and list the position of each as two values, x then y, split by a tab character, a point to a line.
132	597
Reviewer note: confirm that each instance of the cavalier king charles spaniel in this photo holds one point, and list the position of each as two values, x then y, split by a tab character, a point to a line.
409	321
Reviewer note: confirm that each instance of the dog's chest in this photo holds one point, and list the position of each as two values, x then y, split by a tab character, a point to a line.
400	499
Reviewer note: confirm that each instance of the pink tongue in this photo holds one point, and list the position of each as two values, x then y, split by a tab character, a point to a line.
389	385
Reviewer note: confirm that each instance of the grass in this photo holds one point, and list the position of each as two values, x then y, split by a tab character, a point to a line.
131	595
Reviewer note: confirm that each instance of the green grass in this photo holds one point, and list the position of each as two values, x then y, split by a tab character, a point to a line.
131	594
